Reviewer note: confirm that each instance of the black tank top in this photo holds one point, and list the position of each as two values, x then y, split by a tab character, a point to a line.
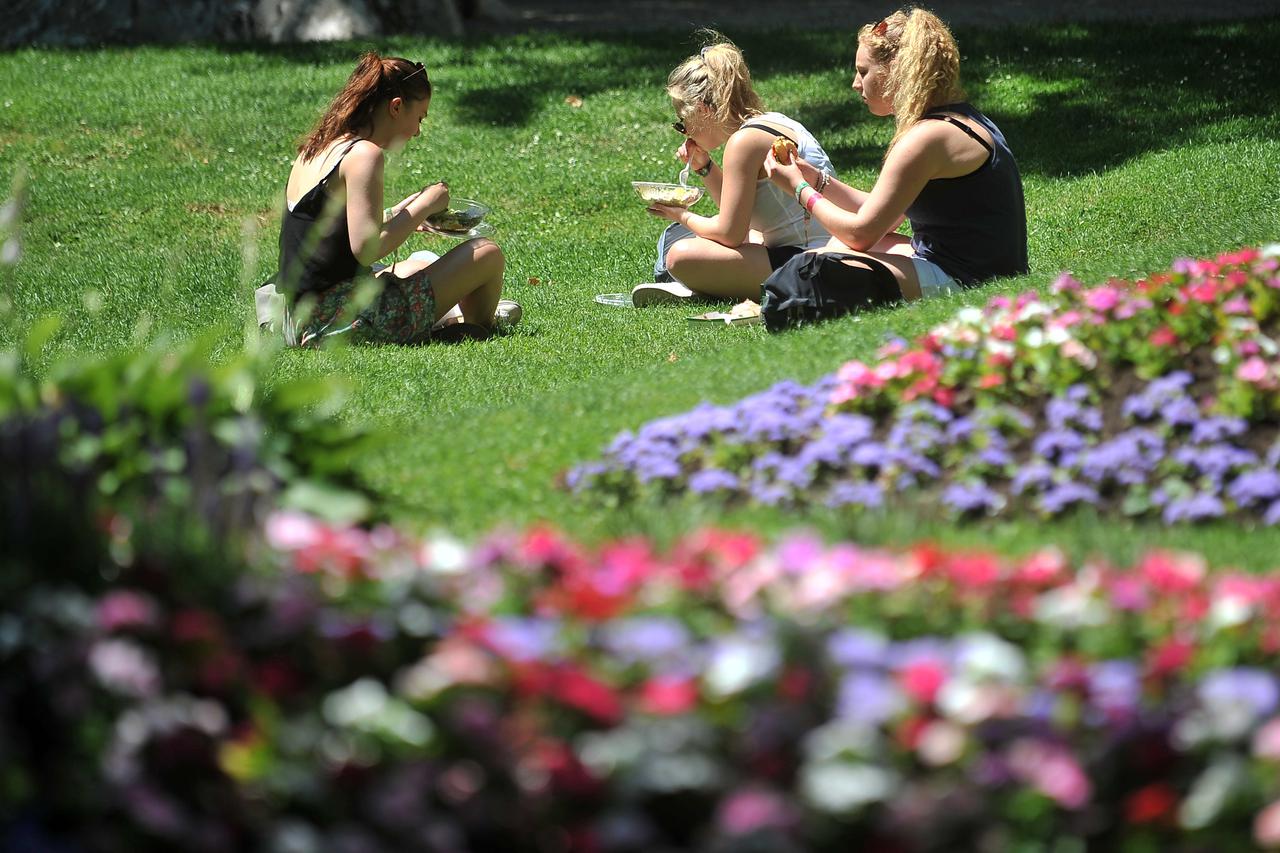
975	226
315	243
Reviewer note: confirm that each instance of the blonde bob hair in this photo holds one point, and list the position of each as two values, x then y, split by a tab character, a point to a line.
923	62
717	77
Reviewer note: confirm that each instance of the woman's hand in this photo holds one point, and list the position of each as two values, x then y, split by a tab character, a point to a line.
787	177
666	211
434	198
694	154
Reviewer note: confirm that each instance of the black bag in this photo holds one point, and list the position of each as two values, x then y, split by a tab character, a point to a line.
815	286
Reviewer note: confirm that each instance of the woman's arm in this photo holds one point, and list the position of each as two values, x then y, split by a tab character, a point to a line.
743	154
841	193
371	238
914	161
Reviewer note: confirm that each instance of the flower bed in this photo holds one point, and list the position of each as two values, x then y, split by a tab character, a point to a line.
1152	398
365	691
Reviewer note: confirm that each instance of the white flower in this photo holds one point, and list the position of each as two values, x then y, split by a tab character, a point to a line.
12	252
988	656
843	787
1271	251
124	667
1210	792
1034	338
737	663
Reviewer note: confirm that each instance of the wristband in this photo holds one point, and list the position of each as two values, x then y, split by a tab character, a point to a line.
800	187
814	197
705	170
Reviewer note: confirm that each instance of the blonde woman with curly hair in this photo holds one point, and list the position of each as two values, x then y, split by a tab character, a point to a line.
948	170
758	226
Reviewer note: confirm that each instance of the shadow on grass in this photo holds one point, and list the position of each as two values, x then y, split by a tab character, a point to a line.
1071	99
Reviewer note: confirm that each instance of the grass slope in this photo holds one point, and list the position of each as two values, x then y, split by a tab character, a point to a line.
1137	144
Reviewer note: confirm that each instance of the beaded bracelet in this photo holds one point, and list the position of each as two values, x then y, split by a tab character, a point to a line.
813	199
824	178
800	187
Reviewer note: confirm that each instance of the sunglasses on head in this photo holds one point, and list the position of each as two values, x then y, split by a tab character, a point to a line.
678	127
418	67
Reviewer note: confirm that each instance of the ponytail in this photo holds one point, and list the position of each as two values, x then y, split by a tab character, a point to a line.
375	81
717	78
924	64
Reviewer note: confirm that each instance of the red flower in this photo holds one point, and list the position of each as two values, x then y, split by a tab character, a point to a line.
668	695
195	626
594	698
1169	657
1155	802
922	680
795	683
1163	337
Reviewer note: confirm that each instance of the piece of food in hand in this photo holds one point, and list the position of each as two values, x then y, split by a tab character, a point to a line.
783	150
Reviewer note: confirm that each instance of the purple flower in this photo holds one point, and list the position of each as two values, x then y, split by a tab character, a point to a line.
1061	445
1033	477
1272	516
713	480
646	638
868	495
1215	429
1216	460
1247	687
871	454
1144	405
971	497
869	697
856	647
524	639
1180	411
1196	507
1063	495
1255	487
848	429
770	494
1115	687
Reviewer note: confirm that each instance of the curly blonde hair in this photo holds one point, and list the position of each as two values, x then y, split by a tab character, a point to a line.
924	63
718	78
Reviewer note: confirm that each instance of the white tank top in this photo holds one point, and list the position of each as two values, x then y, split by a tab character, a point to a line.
776	214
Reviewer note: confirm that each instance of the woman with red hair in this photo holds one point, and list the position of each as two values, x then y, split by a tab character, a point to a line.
334	226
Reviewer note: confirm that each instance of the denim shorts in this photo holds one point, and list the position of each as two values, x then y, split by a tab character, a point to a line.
934	281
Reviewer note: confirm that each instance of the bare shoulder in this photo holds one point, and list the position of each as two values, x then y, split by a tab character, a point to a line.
363	160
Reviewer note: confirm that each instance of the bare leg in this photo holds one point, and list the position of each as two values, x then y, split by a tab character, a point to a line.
716	270
469	275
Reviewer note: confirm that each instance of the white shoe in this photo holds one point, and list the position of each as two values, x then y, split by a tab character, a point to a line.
453	315
660	293
508	313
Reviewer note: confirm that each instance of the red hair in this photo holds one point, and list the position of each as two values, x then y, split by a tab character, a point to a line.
375	81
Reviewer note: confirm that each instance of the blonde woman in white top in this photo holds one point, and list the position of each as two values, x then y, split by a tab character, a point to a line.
759	226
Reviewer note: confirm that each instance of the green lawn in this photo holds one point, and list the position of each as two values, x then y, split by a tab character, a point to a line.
1137	144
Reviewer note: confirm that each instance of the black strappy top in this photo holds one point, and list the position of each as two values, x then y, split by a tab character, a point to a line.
975	226
315	243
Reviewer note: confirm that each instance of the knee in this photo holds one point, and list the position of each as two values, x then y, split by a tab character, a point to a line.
680	255
489	253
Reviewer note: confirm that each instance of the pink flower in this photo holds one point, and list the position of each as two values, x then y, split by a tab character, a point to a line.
1253	370
1266	826
747	811
1237	305
1163	337
1266	741
126	609
292	531
1052	770
1066	283
1205	291
1102	298
1172	573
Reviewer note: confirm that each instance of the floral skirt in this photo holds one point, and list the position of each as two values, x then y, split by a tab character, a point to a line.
402	312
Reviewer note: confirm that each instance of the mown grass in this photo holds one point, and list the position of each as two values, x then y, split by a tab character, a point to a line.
1137	144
